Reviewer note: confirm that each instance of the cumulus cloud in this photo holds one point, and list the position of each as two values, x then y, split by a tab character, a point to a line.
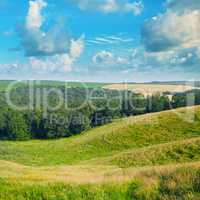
38	43
177	28
136	7
53	49
34	17
132	59
52	64
59	62
183	5
76	48
103	57
172	30
187	57
108	59
185	60
110	6
9	68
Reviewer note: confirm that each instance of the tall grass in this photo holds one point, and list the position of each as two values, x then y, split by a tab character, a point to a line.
89	166
181	184
173	152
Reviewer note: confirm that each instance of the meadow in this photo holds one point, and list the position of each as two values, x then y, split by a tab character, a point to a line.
147	157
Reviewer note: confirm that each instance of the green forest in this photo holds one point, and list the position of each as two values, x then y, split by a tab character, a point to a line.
54	111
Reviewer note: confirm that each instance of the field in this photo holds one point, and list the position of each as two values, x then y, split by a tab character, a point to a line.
144	88
4	84
153	156
149	89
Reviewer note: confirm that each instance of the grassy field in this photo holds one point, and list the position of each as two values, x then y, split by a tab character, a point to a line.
4	84
145	88
153	156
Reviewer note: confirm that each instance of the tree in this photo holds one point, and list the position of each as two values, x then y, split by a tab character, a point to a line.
16	127
157	102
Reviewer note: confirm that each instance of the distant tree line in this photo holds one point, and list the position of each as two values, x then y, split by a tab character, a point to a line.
79	110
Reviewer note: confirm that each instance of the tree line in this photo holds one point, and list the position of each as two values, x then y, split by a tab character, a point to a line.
85	109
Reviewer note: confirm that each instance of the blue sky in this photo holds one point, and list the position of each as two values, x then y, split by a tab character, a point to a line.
100	40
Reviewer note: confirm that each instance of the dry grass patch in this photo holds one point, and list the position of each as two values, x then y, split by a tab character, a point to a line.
149	89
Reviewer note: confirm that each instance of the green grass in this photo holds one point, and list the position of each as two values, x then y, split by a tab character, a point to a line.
153	156
86	84
125	134
4	84
173	152
179	184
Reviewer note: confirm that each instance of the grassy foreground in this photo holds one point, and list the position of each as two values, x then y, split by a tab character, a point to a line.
154	156
180	184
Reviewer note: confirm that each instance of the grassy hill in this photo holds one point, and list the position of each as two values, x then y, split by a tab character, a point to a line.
153	156
172	152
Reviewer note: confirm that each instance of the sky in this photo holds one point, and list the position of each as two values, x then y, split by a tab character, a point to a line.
100	40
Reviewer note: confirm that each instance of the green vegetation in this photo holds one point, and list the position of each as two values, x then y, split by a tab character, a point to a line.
86	84
173	152
179	184
78	109
148	157
4	84
130	133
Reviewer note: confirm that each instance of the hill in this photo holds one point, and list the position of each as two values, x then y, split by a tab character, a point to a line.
141	157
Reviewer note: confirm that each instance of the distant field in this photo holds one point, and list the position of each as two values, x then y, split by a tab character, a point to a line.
149	89
4	84
148	157
145	88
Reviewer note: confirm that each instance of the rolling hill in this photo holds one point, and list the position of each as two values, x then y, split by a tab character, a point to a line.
153	156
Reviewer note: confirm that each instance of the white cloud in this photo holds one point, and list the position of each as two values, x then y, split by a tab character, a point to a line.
182	6
9	68
185	60
135	7
111	6
51	64
108	59
34	18
59	62
111	40
37	42
172	30
77	47
120	39
52	50
172	39
103	57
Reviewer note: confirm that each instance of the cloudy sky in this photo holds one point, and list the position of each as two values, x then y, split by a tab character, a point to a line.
100	40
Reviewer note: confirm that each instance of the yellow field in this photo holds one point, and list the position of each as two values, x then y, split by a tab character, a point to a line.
83	174
149	89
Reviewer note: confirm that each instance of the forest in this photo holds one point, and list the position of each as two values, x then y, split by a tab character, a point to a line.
51	112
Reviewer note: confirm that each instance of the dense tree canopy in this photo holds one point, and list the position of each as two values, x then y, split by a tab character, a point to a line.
54	112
